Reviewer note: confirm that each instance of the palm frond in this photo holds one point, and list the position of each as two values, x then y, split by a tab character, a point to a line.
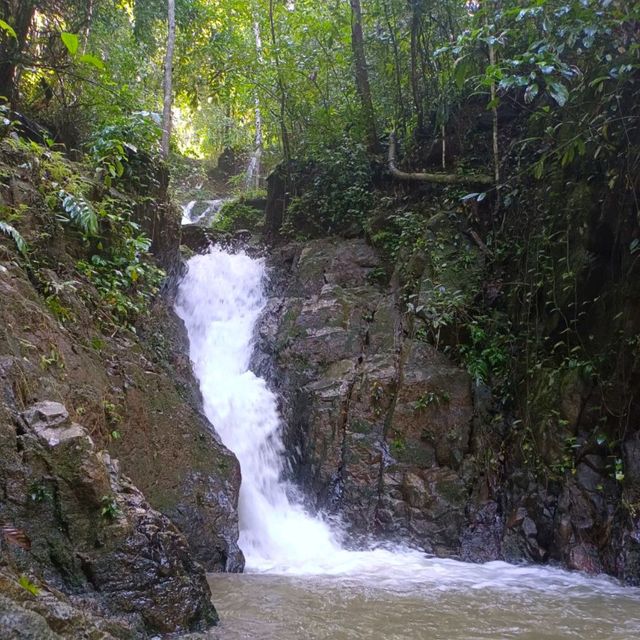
14	234
79	212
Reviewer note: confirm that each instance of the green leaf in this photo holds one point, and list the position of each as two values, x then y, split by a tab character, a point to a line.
25	583
71	41
14	234
8	29
79	212
92	60
558	92
531	93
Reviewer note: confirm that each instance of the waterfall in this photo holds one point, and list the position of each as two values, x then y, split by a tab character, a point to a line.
220	300
202	212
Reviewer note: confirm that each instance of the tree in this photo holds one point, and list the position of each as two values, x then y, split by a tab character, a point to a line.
168	78
362	75
19	15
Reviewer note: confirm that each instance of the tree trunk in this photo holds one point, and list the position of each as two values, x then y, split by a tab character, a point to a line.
415	68
494	113
20	16
437	178
254	167
87	30
286	148
362	75
400	110
168	78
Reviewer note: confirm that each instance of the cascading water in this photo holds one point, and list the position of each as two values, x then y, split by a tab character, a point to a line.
202	212
220	301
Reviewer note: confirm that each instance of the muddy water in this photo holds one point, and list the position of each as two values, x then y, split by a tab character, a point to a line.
457	602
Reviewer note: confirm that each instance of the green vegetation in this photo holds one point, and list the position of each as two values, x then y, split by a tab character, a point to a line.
236	215
109	509
528	279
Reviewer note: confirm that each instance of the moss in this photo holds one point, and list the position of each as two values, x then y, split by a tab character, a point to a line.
236	215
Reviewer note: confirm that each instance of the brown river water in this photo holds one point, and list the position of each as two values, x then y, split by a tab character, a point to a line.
439	600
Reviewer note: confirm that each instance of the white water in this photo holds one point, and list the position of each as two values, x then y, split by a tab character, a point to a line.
210	209
220	300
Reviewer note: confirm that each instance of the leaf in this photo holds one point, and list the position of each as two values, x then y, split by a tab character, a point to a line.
25	583
79	212
71	41
538	169
531	93
7	28
558	92
92	60
14	234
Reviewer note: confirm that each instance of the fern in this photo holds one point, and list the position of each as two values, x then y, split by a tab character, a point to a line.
14	234
79	212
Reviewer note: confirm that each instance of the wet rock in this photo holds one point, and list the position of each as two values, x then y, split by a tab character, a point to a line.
92	533
382	422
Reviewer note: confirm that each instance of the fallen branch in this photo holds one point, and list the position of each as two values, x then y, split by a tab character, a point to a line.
439	178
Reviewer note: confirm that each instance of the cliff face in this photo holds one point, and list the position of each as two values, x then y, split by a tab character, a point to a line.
387	431
127	420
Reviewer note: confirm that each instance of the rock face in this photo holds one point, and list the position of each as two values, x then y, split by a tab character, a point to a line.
381	422
82	528
389	433
136	397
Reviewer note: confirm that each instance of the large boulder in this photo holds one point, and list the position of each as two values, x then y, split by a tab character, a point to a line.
381	421
82	527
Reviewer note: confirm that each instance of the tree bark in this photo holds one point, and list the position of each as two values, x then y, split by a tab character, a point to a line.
494	113
362	75
286	147
415	70
400	110
20	16
168	79
87	30
437	178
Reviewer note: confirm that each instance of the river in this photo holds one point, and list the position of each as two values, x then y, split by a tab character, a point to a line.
301	581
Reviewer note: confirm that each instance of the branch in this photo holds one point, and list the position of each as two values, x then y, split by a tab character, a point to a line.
438	178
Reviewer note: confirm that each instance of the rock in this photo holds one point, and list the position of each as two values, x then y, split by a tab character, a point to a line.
18	623
134	395
93	534
382	422
46	414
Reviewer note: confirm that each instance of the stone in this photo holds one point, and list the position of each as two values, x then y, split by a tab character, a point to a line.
46	415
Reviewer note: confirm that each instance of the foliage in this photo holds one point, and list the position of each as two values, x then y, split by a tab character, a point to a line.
109	509
9	230
78	211
236	215
335	190
125	277
29	586
113	146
